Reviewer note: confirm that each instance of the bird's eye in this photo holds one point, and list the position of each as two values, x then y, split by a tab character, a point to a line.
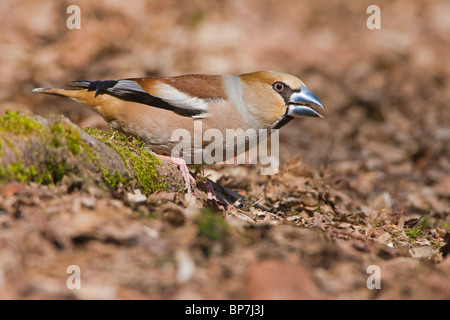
278	86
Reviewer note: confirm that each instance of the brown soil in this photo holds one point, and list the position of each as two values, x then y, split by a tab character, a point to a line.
367	185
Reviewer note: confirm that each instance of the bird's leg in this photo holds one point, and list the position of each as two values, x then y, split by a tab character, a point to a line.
189	181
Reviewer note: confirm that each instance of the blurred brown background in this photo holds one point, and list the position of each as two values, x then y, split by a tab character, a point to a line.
382	151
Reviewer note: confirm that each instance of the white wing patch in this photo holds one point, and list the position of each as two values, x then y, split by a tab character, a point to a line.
180	99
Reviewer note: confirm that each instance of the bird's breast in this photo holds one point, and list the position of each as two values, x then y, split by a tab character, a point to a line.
222	132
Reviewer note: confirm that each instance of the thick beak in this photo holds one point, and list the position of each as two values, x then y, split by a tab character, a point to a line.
302	103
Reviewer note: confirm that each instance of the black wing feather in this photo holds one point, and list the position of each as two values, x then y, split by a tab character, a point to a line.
130	90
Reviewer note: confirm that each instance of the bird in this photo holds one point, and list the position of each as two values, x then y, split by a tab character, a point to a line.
152	109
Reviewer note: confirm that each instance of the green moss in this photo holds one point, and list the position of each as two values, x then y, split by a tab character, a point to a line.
18	124
65	148
71	137
212	232
59	138
135	156
114	179
211	226
17	171
50	171
417	230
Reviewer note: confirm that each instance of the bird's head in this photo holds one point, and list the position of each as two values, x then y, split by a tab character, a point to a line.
275	97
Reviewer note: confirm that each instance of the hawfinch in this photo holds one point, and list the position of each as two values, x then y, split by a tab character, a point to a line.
153	108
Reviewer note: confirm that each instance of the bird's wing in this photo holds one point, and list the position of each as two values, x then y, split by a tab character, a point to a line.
182	95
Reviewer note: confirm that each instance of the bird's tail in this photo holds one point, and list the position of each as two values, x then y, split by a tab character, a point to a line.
79	91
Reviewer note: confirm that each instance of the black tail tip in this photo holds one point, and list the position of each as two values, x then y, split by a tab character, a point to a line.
97	86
